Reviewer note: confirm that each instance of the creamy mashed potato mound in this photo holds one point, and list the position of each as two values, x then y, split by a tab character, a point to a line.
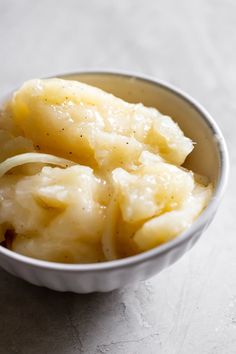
87	177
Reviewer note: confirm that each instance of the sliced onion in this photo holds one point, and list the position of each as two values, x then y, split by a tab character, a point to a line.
33	157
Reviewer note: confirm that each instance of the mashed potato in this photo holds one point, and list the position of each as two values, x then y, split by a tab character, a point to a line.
87	177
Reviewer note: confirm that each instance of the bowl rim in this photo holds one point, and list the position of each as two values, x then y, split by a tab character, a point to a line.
197	225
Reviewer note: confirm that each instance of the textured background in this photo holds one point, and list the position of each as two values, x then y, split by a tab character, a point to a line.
190	307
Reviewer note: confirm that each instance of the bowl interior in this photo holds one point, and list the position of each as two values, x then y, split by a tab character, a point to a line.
205	158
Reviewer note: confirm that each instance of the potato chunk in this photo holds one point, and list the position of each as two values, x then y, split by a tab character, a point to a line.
168	225
151	190
71	118
55	209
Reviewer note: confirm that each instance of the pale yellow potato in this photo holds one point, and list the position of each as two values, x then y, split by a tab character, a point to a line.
170	224
172	144
59	250
68	117
55	207
151	190
119	189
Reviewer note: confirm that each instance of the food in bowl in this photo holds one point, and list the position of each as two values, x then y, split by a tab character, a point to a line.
86	177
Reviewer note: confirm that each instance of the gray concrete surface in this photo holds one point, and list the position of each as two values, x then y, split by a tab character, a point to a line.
190	307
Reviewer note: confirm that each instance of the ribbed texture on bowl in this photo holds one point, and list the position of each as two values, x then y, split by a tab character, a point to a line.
101	280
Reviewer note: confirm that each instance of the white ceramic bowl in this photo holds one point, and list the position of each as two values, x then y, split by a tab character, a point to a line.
209	158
